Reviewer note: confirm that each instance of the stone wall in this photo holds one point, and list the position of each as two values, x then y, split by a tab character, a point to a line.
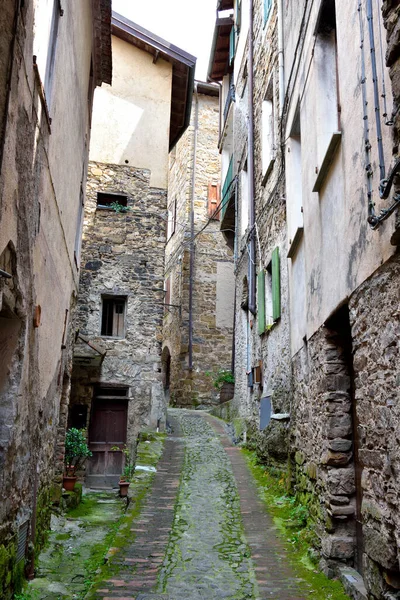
272	348
123	255
374	314
40	199
213	276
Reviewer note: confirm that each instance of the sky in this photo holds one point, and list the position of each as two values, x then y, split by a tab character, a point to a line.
188	24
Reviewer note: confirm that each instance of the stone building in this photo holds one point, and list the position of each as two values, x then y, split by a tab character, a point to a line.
253	206
335	373
52	56
117	381
198	316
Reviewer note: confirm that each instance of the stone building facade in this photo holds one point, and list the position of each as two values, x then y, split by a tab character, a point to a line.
212	269
51	61
117	385
262	356
337	139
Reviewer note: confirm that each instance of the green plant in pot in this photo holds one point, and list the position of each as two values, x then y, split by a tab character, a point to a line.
76	452
224	382
128	470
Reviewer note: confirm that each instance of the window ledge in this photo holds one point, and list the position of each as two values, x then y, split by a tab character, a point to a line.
268	171
327	160
295	242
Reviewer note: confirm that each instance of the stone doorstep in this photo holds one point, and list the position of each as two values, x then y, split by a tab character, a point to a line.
353	583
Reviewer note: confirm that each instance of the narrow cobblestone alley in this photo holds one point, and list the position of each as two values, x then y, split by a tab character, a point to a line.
195	539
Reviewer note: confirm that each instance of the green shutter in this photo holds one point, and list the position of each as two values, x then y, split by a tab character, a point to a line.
276	285
232	45
261	302
267	8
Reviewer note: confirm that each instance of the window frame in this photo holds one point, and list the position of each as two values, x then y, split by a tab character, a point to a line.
114	299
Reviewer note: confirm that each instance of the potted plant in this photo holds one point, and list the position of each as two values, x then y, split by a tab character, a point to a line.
127	472
76	452
224	382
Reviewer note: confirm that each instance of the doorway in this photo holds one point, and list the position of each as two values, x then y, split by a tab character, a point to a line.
107	429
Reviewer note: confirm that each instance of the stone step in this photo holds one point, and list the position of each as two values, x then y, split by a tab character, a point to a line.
353	583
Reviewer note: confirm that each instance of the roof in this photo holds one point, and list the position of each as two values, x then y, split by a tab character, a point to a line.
218	65
102	54
209	89
183	66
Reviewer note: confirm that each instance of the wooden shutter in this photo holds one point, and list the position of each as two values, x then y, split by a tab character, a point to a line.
276	285
213	200
261	302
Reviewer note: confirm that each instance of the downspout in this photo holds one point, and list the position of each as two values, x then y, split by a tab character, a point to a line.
281	64
250	164
18	6
191	265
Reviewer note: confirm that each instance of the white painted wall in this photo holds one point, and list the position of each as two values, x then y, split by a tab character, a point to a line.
340	250
131	121
225	294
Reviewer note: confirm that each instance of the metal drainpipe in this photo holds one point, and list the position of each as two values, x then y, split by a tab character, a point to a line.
250	164
191	267
18	5
281	64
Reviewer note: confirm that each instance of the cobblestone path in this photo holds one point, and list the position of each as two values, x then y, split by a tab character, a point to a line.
202	534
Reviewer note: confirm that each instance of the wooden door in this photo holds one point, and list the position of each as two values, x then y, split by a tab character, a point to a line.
107	429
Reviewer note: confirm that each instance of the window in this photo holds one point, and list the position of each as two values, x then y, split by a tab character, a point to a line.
113	316
78	237
51	52
213	200
268	130
327	107
294	193
269	294
238	17
266	10
171	223
107	199
244	200
167	292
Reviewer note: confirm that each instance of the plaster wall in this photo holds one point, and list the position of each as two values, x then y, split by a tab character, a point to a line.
131	122
42	171
337	214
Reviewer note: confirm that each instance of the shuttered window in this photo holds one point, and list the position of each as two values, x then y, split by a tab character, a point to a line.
167	291
113	316
213	200
267	9
269	294
261	302
276	285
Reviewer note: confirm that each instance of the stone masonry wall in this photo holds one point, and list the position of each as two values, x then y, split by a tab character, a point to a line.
374	314
272	347
123	255
212	340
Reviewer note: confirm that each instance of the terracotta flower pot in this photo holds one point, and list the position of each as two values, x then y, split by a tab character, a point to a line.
69	483
123	488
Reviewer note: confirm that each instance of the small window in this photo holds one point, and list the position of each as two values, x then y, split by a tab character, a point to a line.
113	316
171	223
269	294
106	200
268	130
213	200
244	200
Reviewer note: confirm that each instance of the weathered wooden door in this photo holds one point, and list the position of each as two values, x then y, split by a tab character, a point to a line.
107	430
